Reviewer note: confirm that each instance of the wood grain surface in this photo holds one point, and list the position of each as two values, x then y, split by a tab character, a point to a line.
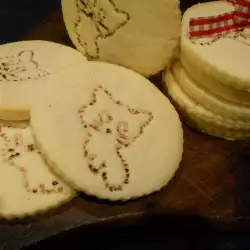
213	181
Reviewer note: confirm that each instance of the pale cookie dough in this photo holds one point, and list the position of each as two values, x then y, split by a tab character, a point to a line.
209	84
109	133
201	118
138	34
27	186
226	59
209	101
24	69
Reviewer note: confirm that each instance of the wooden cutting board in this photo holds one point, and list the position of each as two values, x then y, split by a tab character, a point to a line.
213	181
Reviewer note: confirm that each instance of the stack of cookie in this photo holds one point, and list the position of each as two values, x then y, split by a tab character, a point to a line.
27	185
210	84
69	125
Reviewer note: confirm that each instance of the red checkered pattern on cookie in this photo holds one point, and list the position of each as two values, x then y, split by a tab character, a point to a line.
242	13
212	26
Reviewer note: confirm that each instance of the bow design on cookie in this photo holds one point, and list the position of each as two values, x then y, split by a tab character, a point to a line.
221	25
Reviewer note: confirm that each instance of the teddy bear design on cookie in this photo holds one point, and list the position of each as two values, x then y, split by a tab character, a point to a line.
102	19
14	151
20	67
114	129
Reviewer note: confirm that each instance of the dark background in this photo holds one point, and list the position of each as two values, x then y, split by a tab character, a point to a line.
18	17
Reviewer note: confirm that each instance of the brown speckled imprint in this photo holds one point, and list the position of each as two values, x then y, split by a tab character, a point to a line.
95	16
240	35
20	67
10	151
122	137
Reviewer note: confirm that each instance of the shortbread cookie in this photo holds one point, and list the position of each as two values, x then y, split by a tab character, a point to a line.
201	118
141	35
115	136
24	69
215	104
224	58
217	88
27	186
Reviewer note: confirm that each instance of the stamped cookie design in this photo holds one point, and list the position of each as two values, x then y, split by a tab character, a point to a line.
102	19
241	35
115	128
25	67
13	148
108	131
20	67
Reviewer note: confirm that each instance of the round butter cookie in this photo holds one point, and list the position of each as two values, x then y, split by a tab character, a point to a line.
24	69
203	119
224	58
110	133
239	97
215	104
141	35
27	186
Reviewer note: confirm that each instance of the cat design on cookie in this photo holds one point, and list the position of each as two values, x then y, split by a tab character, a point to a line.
97	19
20	67
13	148
109	132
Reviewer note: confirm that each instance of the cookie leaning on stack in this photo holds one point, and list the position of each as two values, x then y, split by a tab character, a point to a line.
93	122
113	135
94	134
99	128
141	35
211	86
27	185
24	69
